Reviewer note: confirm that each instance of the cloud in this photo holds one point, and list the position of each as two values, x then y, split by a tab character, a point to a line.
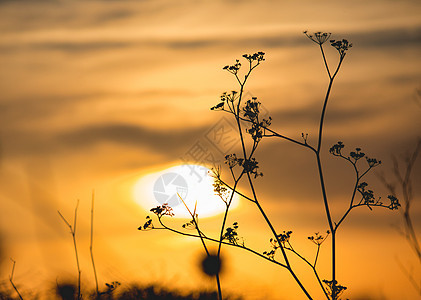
131	135
168	142
394	38
73	47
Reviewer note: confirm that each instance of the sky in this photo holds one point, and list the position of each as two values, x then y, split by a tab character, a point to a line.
96	95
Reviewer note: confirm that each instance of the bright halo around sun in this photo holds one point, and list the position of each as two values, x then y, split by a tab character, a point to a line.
190	182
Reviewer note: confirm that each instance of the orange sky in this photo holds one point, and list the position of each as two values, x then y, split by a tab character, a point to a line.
97	94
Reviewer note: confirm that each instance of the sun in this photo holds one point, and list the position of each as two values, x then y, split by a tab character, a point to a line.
193	183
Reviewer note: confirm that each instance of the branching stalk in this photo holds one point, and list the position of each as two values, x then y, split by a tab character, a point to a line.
11	280
73	232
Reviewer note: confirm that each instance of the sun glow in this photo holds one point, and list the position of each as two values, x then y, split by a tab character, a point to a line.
193	183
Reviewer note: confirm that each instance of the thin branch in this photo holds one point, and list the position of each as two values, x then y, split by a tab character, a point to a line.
217	241
196	225
313	267
235	191
245	156
325	61
11	280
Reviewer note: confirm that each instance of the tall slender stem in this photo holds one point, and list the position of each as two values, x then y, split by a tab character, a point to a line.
91	244
277	238
322	117
73	232
243	146
11	280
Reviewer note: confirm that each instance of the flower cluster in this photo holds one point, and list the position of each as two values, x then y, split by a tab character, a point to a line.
357	154
318	37
321	37
318	239
354	156
369	199
257	130
231	234
220	189
251	113
372	162
368	195
231	160
394	202
225	98
251	109
164	210
271	254
218	106
148	224
249	165
337	148
341	46
333	288
284	239
233	68
192	224
259	56
253	59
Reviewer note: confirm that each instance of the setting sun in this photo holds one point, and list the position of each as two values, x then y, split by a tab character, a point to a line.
190	182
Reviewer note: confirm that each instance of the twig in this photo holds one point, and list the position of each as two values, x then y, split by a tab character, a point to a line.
165	227
11	279
196	225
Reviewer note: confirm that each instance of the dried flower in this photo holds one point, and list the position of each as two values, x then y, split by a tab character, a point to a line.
341	46
318	37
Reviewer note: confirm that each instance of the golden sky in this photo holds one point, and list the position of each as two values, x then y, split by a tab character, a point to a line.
98	94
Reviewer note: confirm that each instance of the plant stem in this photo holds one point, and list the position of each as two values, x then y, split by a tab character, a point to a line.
91	245
11	280
193	215
319	167
277	238
73	232
243	146
217	241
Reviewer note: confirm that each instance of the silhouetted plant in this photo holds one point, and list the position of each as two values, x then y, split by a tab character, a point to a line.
243	166
73	233
108	293
91	251
153	292
67	291
11	280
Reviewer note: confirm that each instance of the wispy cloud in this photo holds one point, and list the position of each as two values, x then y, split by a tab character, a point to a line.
395	38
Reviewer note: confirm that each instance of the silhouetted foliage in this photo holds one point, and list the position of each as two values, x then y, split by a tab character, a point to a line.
136	292
244	166
68	291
